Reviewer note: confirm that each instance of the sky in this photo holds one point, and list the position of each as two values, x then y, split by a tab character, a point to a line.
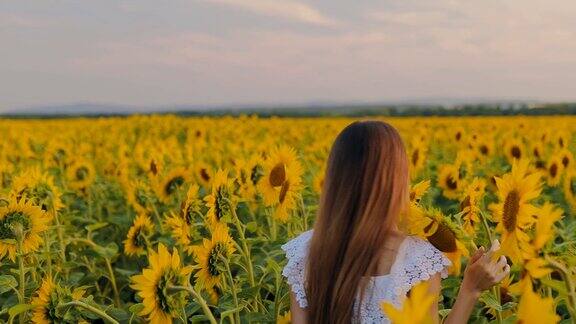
243	52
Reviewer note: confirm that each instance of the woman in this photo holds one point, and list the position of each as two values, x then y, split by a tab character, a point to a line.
355	258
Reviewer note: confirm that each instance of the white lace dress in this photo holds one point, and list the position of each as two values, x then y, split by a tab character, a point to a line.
416	260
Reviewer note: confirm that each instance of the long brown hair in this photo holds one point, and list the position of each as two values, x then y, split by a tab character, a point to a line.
365	188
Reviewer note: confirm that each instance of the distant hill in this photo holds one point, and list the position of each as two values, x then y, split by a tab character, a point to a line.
412	107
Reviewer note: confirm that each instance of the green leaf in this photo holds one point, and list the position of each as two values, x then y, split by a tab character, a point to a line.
557	285
7	283
488	299
108	252
95	227
136	308
252	227
20	308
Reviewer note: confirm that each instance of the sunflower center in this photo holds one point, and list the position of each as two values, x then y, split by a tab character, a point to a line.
516	152
154	167
451	183
536	153
415	156
204	174
284	191
139	239
10	221
540	164
510	211
484	149
221	206
82	173
278	175
40	194
458	136
173	185
215	267
565	161
256	174
573	185
443	239
553	170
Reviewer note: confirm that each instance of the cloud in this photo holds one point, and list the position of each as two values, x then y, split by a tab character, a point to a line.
286	9
24	21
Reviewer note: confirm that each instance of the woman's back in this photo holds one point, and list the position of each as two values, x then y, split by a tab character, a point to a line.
416	260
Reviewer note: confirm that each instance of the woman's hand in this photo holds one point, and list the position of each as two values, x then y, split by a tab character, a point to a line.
482	272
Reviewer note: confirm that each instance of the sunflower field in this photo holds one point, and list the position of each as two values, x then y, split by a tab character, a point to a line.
166	219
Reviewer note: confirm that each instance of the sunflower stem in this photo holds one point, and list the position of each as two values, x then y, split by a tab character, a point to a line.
569	284
199	300
93	309
113	282
47	254
245	250
22	286
233	288
157	217
60	232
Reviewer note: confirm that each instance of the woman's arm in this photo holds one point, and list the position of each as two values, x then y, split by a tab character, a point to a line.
298	313
480	274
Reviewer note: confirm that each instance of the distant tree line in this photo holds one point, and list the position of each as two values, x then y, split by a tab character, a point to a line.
357	111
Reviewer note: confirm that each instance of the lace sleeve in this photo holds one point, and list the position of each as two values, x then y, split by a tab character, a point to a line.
294	271
421	261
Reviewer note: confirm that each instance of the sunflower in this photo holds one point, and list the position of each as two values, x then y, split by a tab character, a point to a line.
47	299
513	149
449	181
210	257
445	237
415	308
570	188
418	190
417	155
57	154
203	173
281	163
168	186
183	225
289	195
537	150
470	205
138	194
39	188
247	175
548	214
554	171
25	218
80	174
161	304
534	309
413	219
513	212
484	148
284	319
136	241
220	200
567	158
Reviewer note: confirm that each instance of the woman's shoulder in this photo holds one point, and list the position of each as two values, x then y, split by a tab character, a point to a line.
295	269
298	244
418	250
